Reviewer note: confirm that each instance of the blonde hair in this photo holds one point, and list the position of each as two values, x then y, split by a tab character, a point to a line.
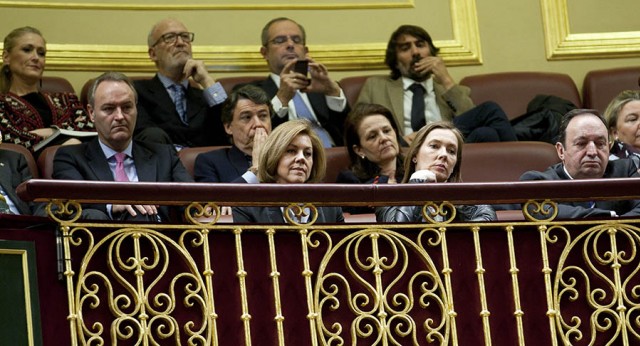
10	41
416	144
276	145
615	106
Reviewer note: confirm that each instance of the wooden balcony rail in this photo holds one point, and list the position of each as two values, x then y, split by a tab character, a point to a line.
540	282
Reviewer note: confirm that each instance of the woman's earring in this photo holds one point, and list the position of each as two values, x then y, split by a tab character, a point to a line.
362	156
414	160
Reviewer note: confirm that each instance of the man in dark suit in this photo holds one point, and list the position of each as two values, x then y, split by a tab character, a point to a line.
14	169
583	147
319	99
420	90
170	109
247	120
114	156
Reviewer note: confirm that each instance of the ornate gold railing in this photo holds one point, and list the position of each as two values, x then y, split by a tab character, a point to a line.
208	282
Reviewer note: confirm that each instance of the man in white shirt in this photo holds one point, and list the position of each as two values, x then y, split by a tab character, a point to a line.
315	97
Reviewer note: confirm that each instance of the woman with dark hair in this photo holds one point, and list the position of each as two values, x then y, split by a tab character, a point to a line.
292	154
26	113
373	143
435	156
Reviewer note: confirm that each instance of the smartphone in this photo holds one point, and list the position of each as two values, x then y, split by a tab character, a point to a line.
302	66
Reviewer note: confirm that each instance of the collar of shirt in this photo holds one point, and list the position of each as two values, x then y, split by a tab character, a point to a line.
427	84
565	172
108	152
168	82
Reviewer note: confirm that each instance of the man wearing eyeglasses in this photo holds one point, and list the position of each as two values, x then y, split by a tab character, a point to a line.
315	97
181	105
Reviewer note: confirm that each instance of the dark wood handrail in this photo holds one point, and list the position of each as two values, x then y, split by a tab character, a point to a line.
329	194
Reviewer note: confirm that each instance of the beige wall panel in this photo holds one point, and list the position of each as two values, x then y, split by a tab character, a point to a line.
617	15
511	33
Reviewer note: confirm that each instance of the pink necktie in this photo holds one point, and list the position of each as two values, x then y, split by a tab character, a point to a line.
121	175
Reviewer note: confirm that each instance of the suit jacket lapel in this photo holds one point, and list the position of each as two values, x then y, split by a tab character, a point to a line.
395	93
98	162
238	160
145	163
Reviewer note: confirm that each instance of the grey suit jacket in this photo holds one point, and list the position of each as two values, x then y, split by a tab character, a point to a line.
14	169
274	215
154	163
622	168
390	93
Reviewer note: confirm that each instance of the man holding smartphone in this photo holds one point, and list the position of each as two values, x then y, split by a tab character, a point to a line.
299	86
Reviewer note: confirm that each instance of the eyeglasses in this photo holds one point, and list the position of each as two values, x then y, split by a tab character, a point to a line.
172	37
278	40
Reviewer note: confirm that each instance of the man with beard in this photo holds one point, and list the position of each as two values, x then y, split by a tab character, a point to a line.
170	109
420	90
295	95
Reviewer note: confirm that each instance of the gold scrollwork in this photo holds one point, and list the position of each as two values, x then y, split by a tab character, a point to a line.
390	281
295	214
144	291
601	286
199	213
444	212
64	211
536	211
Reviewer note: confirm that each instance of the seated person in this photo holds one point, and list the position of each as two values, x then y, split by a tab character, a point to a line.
318	99
583	147
623	119
114	156
434	157
171	111
247	120
372	140
14	170
292	154
26	113
420	90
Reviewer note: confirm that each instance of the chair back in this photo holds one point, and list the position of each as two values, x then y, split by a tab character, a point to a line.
601	86
33	167
513	90
188	156
505	161
56	85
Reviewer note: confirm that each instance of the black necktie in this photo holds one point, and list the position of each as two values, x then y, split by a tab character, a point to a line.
417	107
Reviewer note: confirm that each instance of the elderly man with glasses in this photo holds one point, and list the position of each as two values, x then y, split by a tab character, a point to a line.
295	93
181	105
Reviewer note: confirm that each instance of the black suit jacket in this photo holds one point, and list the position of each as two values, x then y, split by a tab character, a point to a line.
622	168
14	169
330	120
274	215
154	163
156	109
220	166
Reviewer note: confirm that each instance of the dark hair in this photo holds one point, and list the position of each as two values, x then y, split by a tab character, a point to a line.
391	57
10	42
361	167
245	92
112	77
264	38
566	119
414	148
